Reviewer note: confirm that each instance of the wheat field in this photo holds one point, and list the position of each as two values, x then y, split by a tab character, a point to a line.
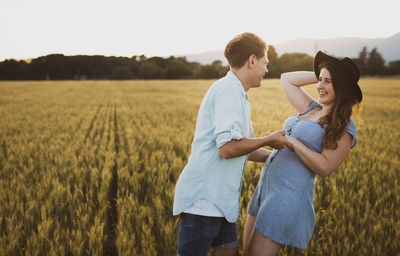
89	168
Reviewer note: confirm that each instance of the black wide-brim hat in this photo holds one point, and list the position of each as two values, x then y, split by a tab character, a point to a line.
346	66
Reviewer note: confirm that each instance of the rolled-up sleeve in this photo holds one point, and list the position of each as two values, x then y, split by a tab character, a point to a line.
227	116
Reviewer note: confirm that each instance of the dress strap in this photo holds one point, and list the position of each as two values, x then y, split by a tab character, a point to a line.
313	105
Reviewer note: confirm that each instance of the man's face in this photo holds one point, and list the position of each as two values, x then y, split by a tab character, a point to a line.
259	70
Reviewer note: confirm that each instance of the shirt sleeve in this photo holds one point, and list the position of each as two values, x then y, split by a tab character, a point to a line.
228	116
351	129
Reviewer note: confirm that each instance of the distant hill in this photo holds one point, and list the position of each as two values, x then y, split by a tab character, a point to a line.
206	57
344	46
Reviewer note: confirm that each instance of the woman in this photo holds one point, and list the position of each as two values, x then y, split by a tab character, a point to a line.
281	210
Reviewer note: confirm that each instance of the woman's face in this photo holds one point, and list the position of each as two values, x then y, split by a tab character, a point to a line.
326	93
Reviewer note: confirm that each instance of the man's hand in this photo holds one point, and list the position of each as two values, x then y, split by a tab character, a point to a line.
244	146
278	140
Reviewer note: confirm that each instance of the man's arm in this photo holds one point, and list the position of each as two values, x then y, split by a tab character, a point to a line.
260	155
244	146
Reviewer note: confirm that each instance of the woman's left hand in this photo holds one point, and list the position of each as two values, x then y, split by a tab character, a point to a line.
291	140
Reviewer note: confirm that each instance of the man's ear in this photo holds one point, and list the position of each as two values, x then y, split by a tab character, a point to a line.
251	61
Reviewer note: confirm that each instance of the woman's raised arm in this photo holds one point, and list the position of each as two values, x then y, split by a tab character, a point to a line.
291	83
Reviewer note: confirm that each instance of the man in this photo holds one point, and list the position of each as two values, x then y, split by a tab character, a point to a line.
207	194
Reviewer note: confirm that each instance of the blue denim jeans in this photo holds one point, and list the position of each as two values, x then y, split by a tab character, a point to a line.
197	234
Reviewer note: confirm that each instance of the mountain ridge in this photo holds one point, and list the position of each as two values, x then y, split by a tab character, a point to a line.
388	47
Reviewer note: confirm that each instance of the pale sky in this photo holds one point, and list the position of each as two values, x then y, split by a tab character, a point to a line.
32	28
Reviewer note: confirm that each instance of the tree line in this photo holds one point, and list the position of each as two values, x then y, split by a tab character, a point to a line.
98	67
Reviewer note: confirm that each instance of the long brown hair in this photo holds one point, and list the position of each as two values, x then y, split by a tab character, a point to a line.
339	116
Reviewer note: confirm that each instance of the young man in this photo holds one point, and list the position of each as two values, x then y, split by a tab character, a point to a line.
207	194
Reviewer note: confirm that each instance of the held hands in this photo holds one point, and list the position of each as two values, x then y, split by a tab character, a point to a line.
291	140
279	140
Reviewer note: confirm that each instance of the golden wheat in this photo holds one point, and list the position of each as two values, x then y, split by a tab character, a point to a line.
89	168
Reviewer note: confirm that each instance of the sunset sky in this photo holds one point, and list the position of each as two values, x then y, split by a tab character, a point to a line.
32	28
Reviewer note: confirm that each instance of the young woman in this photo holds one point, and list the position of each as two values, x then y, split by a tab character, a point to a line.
322	134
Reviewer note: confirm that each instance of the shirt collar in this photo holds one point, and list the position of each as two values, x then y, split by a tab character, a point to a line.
232	76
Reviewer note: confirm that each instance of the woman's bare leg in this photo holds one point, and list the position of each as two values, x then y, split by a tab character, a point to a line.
248	229
260	245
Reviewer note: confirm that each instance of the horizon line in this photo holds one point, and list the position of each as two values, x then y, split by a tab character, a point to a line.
192	53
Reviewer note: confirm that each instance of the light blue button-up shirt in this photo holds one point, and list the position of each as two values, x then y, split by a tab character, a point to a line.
224	115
